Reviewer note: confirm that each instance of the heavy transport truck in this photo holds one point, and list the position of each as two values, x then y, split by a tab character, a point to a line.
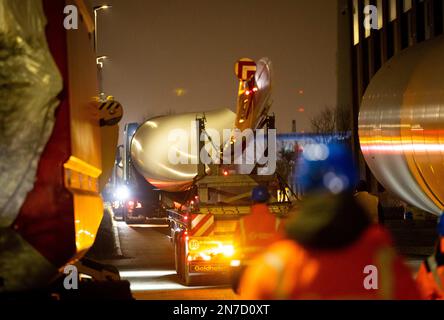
204	227
133	199
204	200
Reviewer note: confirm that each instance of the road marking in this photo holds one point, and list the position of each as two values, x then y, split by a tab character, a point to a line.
146	273
116	234
150	286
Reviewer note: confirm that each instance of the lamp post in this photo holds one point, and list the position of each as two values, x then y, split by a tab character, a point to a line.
99	62
100	59
96	10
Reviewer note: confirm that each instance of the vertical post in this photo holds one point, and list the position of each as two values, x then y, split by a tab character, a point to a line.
201	145
360	80
384	39
397	27
271	125
95	31
271	122
100	80
125	153
412	24
293	126
429	19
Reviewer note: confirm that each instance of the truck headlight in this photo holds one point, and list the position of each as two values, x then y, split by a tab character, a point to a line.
122	193
235	263
227	250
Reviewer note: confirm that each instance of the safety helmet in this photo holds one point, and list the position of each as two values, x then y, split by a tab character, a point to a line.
260	194
326	168
441	225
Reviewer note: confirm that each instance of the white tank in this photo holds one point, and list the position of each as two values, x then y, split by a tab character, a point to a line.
401	124
153	146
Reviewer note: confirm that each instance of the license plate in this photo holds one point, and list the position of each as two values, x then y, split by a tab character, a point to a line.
208	268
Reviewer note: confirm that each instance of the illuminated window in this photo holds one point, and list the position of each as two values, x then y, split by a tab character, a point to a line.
380	14
355	22
367	30
393	10
407	5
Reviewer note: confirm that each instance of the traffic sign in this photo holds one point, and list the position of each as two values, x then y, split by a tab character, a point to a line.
245	69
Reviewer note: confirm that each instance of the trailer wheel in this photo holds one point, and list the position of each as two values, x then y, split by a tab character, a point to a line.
173	233
181	263
177	255
187	279
127	219
185	266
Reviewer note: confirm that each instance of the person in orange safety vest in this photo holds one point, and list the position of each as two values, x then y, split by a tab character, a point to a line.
333	251
259	229
430	277
255	232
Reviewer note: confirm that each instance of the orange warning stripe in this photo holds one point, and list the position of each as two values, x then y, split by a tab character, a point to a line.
202	225
245	69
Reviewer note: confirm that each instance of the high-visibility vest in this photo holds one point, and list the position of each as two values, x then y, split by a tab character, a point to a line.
430	279
289	271
258	230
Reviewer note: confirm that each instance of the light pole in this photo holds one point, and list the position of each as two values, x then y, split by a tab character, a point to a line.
99	62
97	9
99	59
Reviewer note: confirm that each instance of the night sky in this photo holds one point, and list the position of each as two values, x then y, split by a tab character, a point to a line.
158	46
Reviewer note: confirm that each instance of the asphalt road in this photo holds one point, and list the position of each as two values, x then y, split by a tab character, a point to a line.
148	263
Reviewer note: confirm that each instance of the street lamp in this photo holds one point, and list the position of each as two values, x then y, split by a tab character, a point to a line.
97	9
100	60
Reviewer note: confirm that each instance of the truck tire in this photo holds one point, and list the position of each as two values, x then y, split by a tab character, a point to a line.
185	270
181	263
173	233
126	218
187	279
177	255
